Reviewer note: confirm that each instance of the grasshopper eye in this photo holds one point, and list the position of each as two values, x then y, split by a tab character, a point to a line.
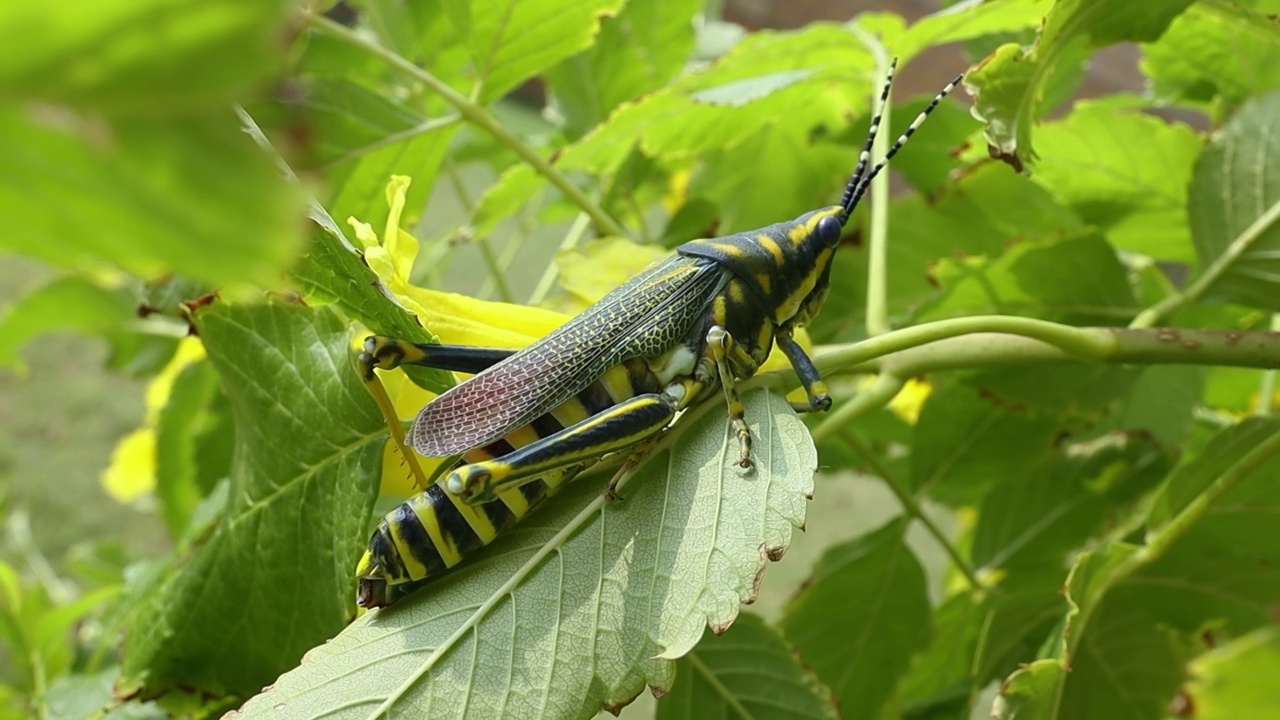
829	230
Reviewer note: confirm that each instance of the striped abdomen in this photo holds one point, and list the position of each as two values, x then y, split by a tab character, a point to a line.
434	530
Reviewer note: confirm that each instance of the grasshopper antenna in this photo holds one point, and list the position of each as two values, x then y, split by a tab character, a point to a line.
861	179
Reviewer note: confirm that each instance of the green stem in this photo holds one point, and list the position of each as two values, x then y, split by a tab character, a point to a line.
475	114
570	241
496	276
1237	249
877	317
912	507
873	397
1093	344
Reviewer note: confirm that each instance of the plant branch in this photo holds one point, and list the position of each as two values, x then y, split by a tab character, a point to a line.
474	114
1236	250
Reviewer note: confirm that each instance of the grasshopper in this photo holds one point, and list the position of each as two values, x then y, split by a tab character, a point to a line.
608	381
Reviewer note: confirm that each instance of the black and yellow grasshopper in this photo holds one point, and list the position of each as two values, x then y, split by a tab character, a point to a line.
609	381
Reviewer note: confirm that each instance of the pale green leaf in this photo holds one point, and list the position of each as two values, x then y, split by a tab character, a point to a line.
1010	84
1124	172
752	669
513	40
966	20
584	603
1237	680
1227	49
637	51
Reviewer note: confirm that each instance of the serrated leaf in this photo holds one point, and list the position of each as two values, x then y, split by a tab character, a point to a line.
967	20
150	195
584	603
1235	206
275	578
333	272
829	57
513	40
138	57
1124	172
750	669
1236	680
638	51
1010	84
862	617
1227	49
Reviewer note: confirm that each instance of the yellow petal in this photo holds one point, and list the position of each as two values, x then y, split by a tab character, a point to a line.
132	472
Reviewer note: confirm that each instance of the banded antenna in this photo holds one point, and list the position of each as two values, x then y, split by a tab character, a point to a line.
861	179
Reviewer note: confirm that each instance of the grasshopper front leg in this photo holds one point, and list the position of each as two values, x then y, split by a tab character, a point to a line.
814	387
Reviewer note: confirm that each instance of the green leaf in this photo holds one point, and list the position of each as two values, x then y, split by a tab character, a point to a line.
1139	613
967	20
1235	207
276	576
638	51
140	57
1123	665
190	195
1036	518
1027	609
333	272
1227	50
808	68
1075	279
751	670
603	596
862	617
70	302
1161	402
965	443
976	215
1010	84
1125	172
182	428
513	40
939	681
1236	680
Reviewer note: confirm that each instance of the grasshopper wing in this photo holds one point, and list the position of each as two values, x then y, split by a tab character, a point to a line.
643	317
